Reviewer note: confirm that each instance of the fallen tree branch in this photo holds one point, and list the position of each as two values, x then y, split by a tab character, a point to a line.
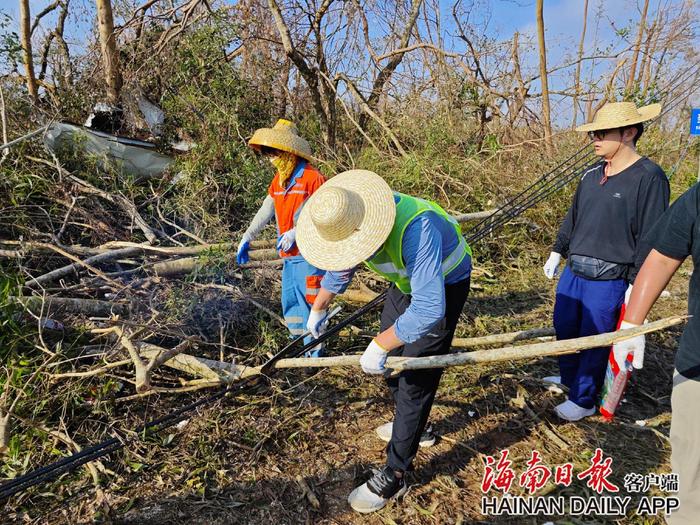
87	263
230	372
509	337
90	307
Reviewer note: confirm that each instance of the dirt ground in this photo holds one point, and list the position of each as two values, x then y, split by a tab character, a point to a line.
248	459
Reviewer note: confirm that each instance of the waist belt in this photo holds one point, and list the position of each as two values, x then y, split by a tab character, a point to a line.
597	269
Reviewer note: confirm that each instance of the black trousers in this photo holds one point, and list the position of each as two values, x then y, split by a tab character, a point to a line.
414	390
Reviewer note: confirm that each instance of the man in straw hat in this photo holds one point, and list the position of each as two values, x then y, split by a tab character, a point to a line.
355	217
616	203
674	237
294	181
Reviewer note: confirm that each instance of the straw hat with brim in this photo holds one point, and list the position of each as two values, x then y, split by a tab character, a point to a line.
283	136
346	220
620	114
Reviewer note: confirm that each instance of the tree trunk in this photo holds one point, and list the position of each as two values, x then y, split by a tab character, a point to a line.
26	39
577	77
110	54
637	46
546	119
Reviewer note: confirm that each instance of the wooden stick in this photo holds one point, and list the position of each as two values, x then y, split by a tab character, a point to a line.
206	367
95	259
90	307
509	337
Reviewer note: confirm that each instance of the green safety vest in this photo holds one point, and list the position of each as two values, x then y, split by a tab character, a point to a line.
388	261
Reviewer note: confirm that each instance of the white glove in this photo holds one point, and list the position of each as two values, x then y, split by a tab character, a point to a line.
287	240
628	294
374	358
635	345
317	323
551	267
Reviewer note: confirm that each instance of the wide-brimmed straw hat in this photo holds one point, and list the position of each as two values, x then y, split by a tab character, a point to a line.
620	114
283	136
346	220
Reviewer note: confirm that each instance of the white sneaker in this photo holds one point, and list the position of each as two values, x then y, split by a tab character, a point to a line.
427	438
386	486
552	379
570	411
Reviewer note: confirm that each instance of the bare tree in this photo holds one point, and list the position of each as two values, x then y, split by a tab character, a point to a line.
26	38
395	59
637	46
108	45
546	119
323	98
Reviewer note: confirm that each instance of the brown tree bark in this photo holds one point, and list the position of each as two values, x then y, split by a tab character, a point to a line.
577	76
546	115
26	41
637	46
110	54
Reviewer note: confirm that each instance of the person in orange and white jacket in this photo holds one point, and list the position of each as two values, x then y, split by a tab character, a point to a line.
294	181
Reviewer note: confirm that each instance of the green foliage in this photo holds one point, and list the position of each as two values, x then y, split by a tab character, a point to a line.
12	334
210	102
10	47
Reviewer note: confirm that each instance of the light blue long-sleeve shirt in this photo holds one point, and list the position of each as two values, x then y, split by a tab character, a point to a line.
425	240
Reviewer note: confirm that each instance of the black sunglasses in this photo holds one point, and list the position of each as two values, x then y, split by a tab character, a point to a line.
599	134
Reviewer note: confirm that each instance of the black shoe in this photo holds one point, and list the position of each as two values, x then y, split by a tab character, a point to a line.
385	483
374	495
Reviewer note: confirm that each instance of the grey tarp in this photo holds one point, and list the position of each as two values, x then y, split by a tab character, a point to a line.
131	156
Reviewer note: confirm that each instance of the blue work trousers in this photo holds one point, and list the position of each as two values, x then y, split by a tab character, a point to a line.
586	307
300	285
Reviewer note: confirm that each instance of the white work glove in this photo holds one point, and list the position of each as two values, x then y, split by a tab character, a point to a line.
551	267
628	294
374	358
634	345
287	240
317	323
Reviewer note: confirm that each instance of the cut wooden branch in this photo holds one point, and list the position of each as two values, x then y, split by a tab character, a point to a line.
188	264
566	346
89	307
395	365
144	370
510	337
87	263
197	366
466	217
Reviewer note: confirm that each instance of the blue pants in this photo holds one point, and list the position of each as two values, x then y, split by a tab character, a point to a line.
585	307
300	285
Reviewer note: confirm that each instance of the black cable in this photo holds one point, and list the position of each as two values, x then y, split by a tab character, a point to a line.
88	454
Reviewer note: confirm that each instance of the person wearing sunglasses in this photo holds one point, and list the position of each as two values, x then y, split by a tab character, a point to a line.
294	182
616	203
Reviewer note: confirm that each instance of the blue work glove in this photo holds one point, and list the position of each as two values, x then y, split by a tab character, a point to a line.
287	240
374	358
242	254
